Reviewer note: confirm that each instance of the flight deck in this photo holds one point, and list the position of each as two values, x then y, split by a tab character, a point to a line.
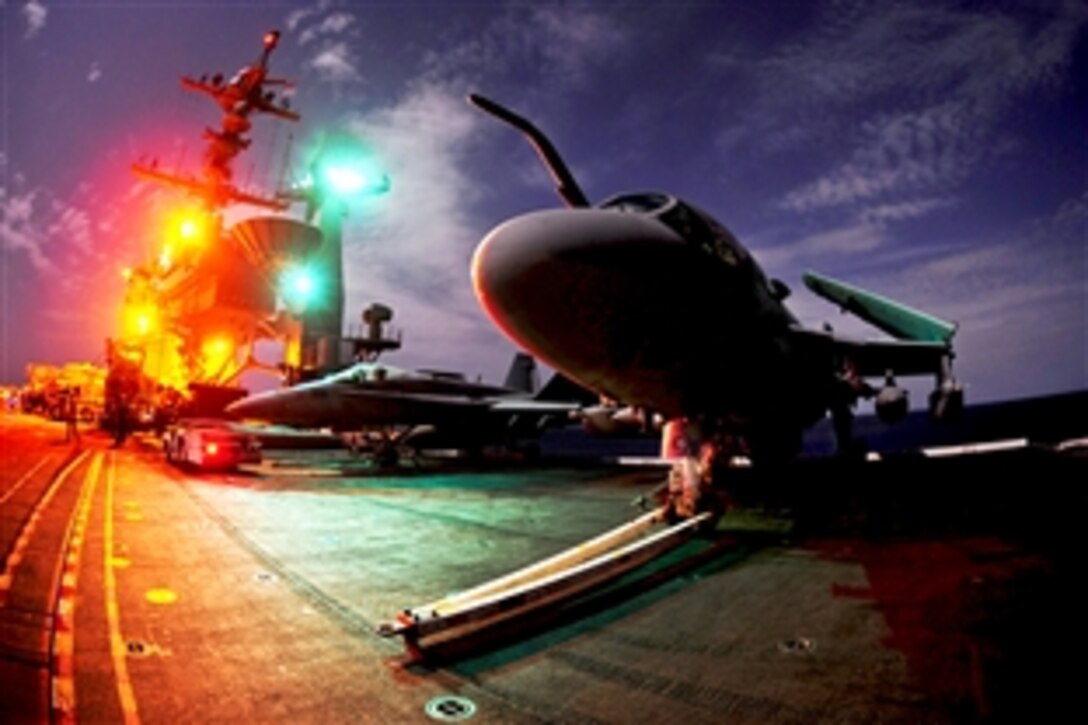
909	590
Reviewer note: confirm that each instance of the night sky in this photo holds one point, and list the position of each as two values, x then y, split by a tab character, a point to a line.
935	153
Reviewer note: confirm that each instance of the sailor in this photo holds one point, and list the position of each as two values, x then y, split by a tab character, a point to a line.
685	485
71	414
849	387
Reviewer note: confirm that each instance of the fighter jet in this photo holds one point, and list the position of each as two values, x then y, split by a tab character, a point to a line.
245	91
421	408
651	302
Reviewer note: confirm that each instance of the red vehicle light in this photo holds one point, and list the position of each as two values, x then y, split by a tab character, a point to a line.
211	448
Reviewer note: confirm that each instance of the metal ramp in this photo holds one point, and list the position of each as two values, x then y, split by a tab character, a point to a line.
460	615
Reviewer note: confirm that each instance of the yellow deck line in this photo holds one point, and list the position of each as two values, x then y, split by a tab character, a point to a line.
118	651
64	627
26	476
16	555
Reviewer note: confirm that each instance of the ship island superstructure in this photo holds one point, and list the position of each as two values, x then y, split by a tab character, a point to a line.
193	314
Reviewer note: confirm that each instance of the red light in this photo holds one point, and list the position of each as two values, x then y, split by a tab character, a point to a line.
271	38
211	448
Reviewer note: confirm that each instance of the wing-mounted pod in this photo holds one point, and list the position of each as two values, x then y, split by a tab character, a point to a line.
608	419
892	402
565	184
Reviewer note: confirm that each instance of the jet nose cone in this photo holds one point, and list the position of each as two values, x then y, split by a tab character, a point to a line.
515	247
569	284
292	406
520	261
552	247
252	406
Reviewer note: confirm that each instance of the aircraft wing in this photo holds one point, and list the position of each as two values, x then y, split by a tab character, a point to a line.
528	406
923	342
873	358
506	406
896	319
422	401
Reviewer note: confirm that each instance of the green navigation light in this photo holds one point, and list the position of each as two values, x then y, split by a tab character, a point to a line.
299	286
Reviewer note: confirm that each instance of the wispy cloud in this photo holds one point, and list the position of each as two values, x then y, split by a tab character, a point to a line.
332	25
55	234
924	150
912	209
983	61
570	38
18	233
1047	254
336	63
868	230
67	251
898	98
35	13
72	225
297	17
1022	306
94	73
856	237
333	32
413	247
556	43
927	51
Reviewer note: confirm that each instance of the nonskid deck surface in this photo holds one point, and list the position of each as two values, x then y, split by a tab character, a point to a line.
910	590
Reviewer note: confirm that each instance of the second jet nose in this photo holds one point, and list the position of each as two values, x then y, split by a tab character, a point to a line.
291	406
256	406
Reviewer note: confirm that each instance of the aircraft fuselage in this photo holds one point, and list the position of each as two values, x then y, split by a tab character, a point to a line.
653	303
373	394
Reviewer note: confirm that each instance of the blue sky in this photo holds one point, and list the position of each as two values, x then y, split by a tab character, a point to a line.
932	152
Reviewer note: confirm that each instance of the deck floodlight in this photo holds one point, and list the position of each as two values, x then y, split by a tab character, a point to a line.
344	169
